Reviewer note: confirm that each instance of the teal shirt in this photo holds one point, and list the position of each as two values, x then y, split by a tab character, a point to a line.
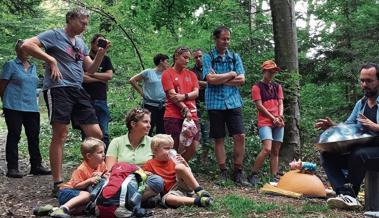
153	92
21	92
121	149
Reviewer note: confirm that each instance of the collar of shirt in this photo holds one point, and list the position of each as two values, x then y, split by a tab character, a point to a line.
227	54
142	144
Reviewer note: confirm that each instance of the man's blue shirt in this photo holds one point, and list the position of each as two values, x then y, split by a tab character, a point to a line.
222	97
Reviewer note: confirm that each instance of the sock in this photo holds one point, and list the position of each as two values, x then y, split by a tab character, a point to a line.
65	209
197	189
56	184
237	167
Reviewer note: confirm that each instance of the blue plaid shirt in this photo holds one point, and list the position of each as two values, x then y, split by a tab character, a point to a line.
222	97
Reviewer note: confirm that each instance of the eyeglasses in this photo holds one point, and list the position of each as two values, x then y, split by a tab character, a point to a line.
78	57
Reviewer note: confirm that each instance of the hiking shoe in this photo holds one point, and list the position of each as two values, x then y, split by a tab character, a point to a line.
343	202
55	190
239	180
223	178
371	214
43	210
14	173
122	212
40	170
253	179
203	193
206	202
60	213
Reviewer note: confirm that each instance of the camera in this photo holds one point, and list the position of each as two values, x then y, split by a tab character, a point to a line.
102	43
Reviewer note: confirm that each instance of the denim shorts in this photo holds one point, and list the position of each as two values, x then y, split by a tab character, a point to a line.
67	194
271	133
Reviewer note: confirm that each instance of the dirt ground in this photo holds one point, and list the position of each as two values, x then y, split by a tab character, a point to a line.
19	196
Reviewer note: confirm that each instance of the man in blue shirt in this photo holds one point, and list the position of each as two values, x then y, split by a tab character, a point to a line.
346	171
66	56
224	73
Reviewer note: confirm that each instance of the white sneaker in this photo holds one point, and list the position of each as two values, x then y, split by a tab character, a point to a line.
371	214
343	202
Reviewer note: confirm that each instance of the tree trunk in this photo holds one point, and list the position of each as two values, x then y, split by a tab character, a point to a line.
286	55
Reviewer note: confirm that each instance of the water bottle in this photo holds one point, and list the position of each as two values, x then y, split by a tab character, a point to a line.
172	154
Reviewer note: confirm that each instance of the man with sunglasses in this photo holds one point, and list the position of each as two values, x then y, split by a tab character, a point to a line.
66	56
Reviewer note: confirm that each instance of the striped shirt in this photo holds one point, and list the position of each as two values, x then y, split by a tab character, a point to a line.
222	97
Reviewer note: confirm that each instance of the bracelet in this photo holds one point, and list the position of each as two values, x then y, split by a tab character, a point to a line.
185	96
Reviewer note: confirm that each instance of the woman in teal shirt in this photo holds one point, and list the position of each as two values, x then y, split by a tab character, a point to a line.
18	86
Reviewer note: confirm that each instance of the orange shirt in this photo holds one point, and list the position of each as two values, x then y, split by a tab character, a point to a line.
183	82
82	173
164	169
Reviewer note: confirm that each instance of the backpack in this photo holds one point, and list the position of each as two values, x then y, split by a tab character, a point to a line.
122	192
232	61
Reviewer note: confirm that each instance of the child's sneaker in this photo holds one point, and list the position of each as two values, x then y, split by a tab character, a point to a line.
203	193
60	213
206	201
43	210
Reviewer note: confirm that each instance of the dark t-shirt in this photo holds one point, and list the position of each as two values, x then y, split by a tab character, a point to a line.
98	90
370	113
199	74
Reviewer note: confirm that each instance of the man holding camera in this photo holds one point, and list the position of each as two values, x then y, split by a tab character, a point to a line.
96	85
66	56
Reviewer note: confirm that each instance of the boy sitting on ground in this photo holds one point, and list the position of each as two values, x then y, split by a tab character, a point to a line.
72	195
179	182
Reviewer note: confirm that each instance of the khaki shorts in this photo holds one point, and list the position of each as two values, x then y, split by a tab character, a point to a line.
179	189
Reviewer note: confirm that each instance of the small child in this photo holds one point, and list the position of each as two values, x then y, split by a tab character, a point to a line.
73	194
179	182
268	98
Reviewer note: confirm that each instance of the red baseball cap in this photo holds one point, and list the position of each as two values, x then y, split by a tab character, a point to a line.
270	65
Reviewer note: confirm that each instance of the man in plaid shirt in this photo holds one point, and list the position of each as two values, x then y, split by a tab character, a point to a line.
224	73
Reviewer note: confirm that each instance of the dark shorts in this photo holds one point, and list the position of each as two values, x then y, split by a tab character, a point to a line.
66	104
232	118
67	194
173	127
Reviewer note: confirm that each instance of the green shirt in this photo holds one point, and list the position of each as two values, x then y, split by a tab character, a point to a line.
121	148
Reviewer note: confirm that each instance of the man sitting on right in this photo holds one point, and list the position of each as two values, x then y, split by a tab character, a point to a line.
347	171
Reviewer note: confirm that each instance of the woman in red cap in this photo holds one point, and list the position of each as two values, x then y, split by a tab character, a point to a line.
268	98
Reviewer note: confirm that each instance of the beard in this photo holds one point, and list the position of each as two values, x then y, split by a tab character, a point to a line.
370	93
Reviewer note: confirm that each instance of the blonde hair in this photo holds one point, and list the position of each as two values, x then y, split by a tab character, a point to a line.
90	145
158	140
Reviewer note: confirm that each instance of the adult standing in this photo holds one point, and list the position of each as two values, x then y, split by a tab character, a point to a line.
346	171
154	98
224	72
134	148
18	87
66	56
197	55
96	85
182	88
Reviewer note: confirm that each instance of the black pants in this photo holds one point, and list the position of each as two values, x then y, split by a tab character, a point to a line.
31	121
351	167
156	119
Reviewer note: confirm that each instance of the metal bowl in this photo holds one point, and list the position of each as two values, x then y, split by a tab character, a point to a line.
343	137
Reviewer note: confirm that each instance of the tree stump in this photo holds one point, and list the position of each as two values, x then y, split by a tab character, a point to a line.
372	191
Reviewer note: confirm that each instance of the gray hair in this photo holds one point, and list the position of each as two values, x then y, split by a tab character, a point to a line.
76	12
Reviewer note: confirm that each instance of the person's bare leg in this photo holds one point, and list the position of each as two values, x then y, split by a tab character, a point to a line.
58	139
274	157
220	151
92	130
266	150
184	173
238	149
79	200
177	201
190	151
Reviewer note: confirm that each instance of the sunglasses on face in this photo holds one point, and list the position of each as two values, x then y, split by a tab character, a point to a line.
77	53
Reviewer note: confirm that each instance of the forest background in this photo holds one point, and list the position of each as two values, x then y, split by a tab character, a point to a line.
334	38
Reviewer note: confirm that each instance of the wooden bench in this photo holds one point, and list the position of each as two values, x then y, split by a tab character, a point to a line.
372	191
